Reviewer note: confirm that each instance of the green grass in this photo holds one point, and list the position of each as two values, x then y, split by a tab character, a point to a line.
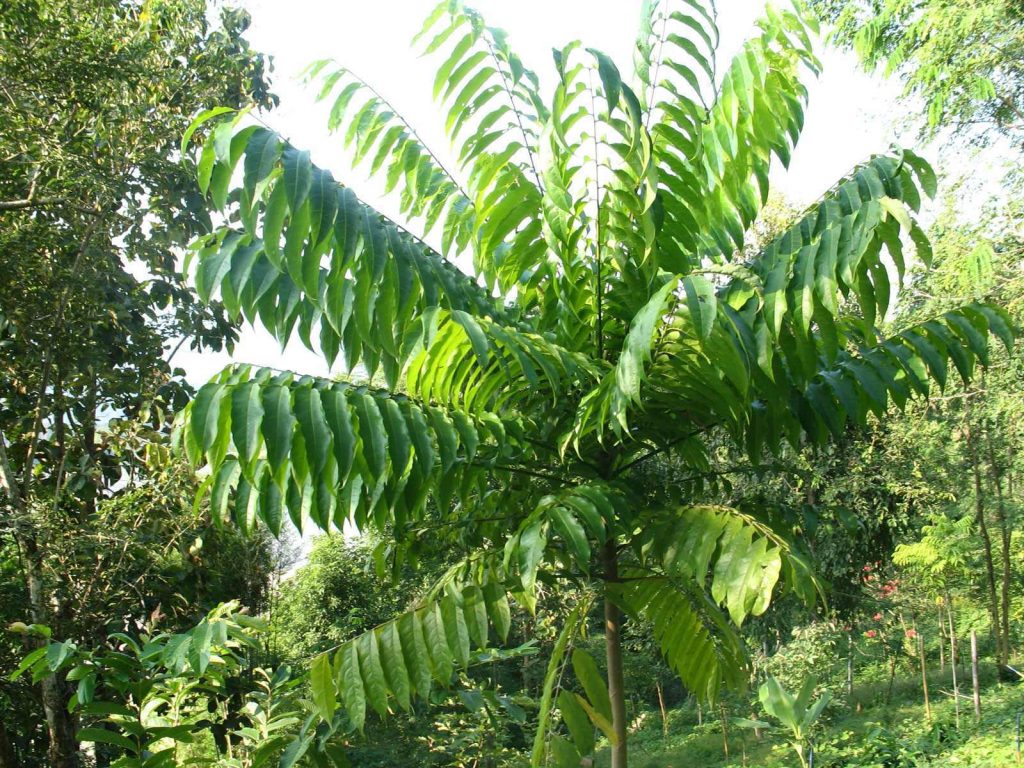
871	731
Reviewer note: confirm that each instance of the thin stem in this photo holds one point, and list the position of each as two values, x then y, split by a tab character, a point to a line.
523	471
599	288
655	451
515	111
412	131
657	68
44	202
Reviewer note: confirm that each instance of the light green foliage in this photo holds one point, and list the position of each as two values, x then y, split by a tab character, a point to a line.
796	712
962	57
336	595
612	315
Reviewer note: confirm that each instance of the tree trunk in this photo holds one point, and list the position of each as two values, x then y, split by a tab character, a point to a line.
613	652
952	659
661	706
974	675
924	677
986	540
849	664
725	729
60	724
942	642
996	474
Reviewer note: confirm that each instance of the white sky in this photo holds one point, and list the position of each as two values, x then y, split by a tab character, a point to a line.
850	115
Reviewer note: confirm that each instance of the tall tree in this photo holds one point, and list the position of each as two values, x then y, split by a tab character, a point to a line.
611	317
979	426
93	97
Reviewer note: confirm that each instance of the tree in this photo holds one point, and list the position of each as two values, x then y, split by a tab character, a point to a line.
610	319
336	595
963	58
94	95
978	427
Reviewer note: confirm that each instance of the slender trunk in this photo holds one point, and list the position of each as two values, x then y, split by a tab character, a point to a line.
60	724
986	540
849	664
661	706
974	675
952	659
942	642
996	474
725	729
924	677
613	651
91	450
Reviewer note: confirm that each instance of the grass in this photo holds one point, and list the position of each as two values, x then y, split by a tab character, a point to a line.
870	730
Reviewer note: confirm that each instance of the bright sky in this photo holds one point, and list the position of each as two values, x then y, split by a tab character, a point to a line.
850	115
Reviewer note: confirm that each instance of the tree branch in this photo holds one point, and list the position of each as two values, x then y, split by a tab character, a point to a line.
45	202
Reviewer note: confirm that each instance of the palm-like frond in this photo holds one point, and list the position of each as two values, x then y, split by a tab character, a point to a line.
613	315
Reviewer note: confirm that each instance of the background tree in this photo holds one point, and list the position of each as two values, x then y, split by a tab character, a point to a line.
94	95
611	317
961	57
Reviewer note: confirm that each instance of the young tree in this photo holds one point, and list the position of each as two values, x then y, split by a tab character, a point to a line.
610	318
94	95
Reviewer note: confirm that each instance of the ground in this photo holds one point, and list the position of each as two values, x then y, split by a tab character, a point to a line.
872	730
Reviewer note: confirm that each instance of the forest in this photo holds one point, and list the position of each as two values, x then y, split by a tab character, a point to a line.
569	438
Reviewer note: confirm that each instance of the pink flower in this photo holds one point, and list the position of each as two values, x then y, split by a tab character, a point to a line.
870	633
877	617
911	633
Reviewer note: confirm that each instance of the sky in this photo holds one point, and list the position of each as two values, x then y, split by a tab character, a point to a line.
851	115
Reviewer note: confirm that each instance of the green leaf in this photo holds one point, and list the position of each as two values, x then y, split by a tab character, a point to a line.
393	663
103	736
610	78
197	122
321	681
585	667
246	418
702	304
350	684
577	722
298	176
277	427
629	372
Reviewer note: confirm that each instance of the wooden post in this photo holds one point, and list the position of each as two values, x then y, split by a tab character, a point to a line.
924	677
974	675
